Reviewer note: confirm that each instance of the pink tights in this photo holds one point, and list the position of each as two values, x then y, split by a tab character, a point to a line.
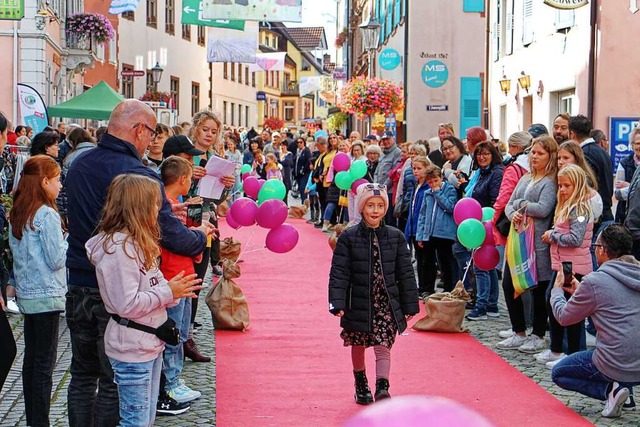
383	360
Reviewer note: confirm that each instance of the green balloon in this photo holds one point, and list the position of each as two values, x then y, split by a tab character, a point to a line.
471	233
343	180
245	169
487	214
358	169
240	187
272	189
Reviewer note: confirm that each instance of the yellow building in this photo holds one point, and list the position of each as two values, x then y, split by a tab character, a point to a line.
278	92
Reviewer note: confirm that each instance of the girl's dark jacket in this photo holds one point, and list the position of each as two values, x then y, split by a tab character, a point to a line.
351	277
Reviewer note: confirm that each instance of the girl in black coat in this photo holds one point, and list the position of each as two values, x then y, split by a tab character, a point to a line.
372	288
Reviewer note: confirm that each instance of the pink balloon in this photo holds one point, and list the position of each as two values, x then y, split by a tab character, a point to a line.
245	175
232	222
261	181
244	211
413	411
357	183
341	162
467	208
486	258
282	239
272	213
488	227
251	186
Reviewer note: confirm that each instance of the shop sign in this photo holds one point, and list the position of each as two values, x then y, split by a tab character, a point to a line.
566	4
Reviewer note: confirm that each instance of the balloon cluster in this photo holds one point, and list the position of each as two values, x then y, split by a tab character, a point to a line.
349	175
269	212
475	232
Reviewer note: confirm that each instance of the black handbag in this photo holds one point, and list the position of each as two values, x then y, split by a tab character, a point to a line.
167	332
503	225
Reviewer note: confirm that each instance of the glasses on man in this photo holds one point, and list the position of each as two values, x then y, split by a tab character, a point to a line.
150	129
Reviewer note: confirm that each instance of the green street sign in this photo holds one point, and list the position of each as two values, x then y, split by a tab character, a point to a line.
192	14
11	9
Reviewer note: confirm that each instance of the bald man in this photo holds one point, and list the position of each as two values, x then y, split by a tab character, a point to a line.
131	128
354	136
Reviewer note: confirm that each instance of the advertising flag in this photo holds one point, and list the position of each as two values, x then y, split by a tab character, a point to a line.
121	6
33	112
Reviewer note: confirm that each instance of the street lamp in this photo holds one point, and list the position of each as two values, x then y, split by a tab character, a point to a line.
156	73
370	38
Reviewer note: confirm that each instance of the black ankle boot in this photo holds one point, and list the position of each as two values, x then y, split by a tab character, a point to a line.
363	392
382	389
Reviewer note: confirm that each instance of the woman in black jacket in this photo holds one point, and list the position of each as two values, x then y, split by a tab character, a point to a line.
372	288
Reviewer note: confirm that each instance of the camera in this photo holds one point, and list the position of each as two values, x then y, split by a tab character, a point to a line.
194	215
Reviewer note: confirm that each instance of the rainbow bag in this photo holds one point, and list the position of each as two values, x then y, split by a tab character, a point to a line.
521	257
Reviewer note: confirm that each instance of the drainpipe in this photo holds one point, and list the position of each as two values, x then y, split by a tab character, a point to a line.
487	43
592	62
406	72
15	72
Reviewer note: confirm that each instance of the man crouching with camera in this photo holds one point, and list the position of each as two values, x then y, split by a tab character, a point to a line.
611	296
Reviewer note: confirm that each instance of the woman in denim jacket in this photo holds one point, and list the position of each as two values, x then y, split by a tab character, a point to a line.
39	251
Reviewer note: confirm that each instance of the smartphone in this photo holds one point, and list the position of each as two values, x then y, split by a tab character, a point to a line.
194	215
567	270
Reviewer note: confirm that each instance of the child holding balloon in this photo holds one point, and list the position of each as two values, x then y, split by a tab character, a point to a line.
372	289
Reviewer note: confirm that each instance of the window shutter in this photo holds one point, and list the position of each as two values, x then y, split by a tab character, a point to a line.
527	22
473	6
495	33
470	103
508	37
397	14
565	19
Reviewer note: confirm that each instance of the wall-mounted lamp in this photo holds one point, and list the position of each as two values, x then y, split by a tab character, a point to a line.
505	85
525	81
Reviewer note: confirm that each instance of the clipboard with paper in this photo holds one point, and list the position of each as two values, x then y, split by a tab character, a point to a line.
210	186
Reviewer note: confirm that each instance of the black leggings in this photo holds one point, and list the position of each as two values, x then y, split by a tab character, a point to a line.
516	307
8	344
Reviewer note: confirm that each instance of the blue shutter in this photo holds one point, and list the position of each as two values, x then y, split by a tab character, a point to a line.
389	19
470	103
473	6
396	13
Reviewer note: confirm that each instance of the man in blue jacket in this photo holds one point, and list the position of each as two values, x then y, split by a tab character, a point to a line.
131	128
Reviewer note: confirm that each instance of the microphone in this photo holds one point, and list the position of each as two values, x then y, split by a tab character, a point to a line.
203	162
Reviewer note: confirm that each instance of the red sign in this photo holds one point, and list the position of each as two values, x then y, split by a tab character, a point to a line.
132	73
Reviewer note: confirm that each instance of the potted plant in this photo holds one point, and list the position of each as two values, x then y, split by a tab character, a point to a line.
89	26
363	96
156	96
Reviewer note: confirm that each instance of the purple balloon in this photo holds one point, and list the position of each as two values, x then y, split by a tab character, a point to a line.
486	258
232	222
282	239
244	211
272	213
251	186
467	208
488	227
357	183
341	162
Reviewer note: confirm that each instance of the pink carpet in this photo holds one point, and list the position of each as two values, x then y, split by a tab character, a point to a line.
291	369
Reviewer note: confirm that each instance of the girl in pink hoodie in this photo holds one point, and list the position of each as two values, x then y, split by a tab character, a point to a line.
125	255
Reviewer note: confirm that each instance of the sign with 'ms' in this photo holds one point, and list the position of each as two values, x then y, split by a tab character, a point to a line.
566	4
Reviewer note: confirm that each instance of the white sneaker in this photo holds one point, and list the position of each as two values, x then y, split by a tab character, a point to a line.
12	306
183	394
553	363
617	397
534	343
548	356
591	340
513	342
506	333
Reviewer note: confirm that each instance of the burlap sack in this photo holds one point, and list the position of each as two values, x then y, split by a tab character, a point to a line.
227	303
297	211
222	208
230	249
445	311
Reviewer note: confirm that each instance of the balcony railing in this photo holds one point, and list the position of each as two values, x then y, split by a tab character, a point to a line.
82	52
290	88
82	43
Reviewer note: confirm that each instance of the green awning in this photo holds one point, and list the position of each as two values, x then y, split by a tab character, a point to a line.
97	103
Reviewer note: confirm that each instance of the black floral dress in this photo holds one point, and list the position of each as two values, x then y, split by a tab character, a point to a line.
384	324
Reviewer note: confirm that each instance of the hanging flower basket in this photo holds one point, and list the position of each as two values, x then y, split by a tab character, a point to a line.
341	38
156	96
364	97
273	123
90	25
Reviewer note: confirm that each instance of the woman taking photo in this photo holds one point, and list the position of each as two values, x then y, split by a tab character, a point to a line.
535	198
458	162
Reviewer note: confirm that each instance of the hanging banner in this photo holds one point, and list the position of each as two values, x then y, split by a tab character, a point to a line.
33	112
192	14
310	84
566	4
253	10
226	45
273	61
121	6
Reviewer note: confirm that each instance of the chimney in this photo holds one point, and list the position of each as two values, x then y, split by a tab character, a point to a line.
326	59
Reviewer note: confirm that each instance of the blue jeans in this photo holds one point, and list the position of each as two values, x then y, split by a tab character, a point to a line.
174	354
577	372
138	386
488	290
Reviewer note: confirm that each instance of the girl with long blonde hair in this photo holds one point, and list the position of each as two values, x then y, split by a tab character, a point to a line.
125	256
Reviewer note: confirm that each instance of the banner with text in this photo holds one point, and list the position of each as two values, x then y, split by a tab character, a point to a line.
264	10
121	6
619	130
33	112
192	14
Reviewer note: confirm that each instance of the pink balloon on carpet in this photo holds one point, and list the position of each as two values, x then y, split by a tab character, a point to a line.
357	183
467	208
341	162
417	411
251	186
488	227
232	222
282	239
486	257
272	213
244	211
